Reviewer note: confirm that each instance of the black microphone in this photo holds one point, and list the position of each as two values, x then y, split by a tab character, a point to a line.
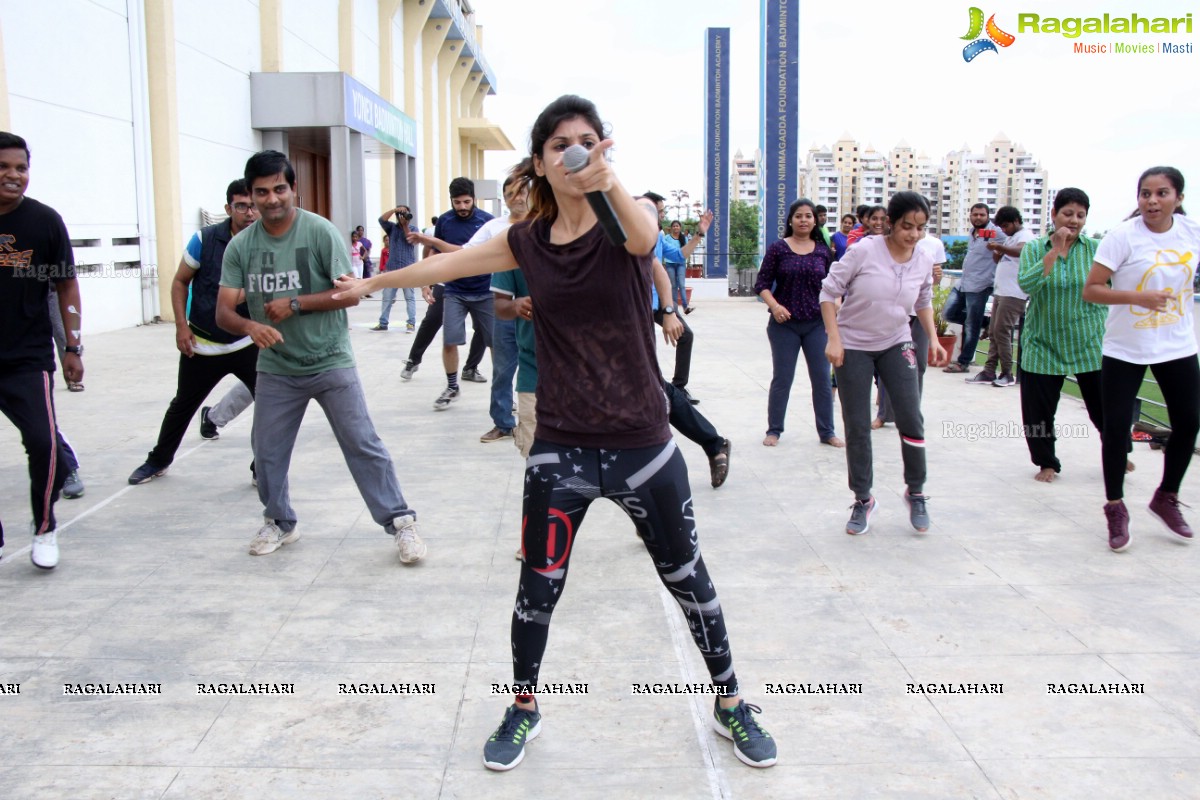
575	158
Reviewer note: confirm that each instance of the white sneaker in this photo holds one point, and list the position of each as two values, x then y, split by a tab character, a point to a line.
44	552
408	543
271	537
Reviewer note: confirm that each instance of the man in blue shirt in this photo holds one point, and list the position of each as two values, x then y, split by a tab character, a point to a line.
471	295
400	255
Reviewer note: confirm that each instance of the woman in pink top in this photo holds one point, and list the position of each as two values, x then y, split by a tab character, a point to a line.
881	282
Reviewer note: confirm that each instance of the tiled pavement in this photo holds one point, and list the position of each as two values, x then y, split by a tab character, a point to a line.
1014	585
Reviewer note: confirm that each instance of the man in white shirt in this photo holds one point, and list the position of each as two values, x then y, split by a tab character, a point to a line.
1008	301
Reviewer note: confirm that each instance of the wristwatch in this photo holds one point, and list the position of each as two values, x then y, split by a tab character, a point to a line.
295	305
77	349
668	309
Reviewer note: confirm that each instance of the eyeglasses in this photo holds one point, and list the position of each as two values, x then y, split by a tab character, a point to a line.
242	208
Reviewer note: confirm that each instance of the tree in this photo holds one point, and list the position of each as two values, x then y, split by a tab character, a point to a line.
743	236
955	254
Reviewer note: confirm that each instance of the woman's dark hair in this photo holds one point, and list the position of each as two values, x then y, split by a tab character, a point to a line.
1174	176
787	228
850	217
871	211
1071	195
903	203
569	106
10	141
1006	214
682	237
238	187
862	212
268	163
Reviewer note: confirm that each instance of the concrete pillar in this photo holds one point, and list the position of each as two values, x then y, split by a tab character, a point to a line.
341	189
276	140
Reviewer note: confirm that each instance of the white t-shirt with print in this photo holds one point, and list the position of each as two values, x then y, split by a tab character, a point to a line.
1142	260
1008	266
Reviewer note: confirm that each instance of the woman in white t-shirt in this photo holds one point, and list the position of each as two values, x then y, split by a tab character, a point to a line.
357	251
1150	261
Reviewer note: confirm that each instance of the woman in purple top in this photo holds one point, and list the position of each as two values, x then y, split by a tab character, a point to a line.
601	414
789	281
880	282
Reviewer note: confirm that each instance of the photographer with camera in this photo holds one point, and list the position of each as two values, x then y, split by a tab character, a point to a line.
400	255
966	306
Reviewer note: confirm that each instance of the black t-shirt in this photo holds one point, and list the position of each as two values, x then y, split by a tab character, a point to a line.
35	249
598	379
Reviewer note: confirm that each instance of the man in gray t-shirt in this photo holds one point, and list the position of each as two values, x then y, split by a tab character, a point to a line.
286	264
978	275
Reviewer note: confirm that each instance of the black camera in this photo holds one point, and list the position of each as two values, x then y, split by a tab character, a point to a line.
404	214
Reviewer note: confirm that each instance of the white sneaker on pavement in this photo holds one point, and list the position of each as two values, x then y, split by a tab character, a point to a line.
409	546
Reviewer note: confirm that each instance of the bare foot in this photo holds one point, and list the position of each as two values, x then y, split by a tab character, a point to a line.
1129	466
833	441
876	424
1046	476
771	440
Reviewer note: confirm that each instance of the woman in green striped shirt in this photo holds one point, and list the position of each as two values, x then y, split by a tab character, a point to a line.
1062	333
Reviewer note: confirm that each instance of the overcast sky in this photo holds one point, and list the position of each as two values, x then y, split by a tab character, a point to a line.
891	71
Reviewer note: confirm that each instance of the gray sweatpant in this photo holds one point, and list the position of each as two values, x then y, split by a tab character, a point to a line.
897	368
235	401
280	403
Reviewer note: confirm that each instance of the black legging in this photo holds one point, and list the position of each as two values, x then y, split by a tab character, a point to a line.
431	323
651	486
1179	382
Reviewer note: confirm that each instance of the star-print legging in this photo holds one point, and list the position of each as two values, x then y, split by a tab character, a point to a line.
651	486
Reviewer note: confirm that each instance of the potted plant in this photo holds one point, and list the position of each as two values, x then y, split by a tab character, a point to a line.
940	295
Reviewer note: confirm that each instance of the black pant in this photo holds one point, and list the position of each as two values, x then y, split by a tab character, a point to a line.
651	486
27	399
683	351
1039	402
1179	381
691	423
198	376
431	323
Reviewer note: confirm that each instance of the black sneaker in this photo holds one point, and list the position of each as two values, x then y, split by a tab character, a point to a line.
751	744
506	748
208	429
984	378
146	473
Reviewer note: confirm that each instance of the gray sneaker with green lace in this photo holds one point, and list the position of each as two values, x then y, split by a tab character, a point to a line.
506	748
751	744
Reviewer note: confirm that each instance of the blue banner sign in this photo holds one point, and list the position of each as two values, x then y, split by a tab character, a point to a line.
370	114
779	89
716	150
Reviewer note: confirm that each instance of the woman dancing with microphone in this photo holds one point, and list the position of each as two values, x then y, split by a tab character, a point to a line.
602	416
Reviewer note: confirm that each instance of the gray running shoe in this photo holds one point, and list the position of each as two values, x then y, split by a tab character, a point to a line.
409	368
74	485
860	516
271	537
506	748
445	399
1005	380
751	744
918	515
